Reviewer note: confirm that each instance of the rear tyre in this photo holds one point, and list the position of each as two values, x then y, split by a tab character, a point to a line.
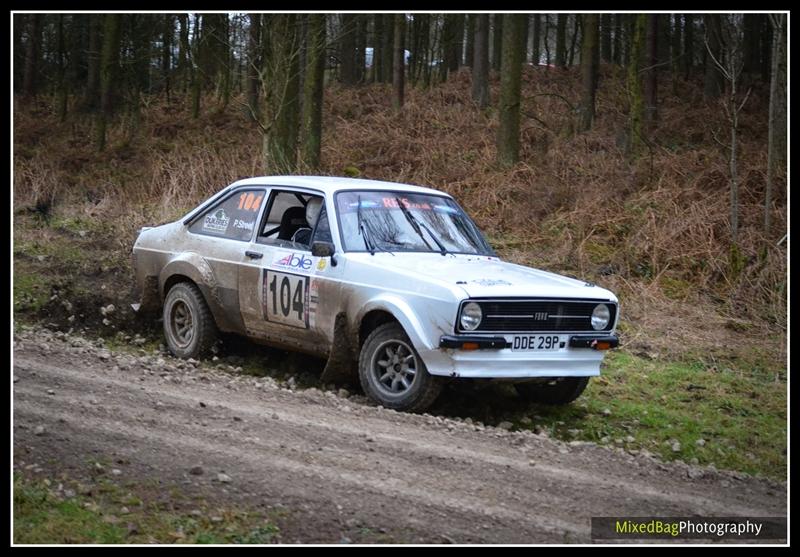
558	391
392	373
188	324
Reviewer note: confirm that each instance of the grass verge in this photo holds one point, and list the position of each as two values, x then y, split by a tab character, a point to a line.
112	516
733	417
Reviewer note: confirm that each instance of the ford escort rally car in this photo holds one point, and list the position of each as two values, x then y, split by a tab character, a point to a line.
391	282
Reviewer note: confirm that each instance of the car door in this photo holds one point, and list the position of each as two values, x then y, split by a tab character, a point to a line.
277	290
221	235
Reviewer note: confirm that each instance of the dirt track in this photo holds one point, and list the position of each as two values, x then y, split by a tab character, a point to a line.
341	467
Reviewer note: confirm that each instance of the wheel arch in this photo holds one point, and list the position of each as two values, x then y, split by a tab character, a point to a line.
192	268
387	308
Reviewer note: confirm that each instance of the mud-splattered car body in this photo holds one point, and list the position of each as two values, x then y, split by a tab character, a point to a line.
326	301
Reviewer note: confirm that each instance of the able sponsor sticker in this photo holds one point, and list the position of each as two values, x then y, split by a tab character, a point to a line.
297	261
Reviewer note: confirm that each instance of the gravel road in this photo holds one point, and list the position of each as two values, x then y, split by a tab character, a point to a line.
339	465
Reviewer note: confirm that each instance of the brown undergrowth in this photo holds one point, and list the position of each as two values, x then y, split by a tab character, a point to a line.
655	230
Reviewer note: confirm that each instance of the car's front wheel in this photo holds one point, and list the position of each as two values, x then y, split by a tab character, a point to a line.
188	324
557	391
392	373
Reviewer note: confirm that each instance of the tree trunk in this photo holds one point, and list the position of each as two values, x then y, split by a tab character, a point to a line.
61	83
634	85
547	39
663	41
224	67
537	39
497	41
361	48
676	54
629	23
421	68
347	50
733	164
461	27
313	91
589	71
605	38
388	47
447	54
30	81
766	48
777	136
688	45
166	52
253	66
198	64
510	83
480	65
91	99
617	58
561	40
469	53
281	92
651	74
456	42
713	82
377	48
183	51
398	80
751	43
109	63
576	31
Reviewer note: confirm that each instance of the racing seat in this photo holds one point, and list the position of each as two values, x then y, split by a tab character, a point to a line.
293	219
313	208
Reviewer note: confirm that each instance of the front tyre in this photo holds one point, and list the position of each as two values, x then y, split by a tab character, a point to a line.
558	391
392	373
188	324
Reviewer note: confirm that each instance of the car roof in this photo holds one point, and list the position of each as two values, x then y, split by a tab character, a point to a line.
331	184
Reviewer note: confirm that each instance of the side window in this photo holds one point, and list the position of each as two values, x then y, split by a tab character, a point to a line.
322	233
286	220
233	218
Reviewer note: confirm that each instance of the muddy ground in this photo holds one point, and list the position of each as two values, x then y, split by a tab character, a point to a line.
340	468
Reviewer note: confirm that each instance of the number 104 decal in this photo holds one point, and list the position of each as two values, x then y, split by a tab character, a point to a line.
285	298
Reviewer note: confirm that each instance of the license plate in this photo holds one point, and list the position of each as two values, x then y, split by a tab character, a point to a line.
538	343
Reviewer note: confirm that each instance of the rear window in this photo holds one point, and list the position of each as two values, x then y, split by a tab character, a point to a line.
233	218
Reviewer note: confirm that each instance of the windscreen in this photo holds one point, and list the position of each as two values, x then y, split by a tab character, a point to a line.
410	222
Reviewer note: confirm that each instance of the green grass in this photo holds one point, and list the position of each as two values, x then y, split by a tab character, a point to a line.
739	412
40	516
31	292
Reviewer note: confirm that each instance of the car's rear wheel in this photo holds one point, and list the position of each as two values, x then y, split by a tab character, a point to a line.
557	391
188	324
392	373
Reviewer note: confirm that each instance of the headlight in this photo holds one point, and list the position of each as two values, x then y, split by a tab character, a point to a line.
471	316
600	317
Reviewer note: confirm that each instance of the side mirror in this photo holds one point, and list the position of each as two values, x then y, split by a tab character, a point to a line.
322	249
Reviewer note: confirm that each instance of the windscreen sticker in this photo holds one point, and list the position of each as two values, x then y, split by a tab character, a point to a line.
216	222
394	203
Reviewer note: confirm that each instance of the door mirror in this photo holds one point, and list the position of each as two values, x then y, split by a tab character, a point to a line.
322	249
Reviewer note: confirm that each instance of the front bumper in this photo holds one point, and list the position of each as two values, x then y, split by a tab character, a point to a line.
492	357
466	342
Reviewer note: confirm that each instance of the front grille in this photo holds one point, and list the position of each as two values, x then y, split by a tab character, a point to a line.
540	315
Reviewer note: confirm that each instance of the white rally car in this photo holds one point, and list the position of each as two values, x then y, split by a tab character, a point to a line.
388	281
